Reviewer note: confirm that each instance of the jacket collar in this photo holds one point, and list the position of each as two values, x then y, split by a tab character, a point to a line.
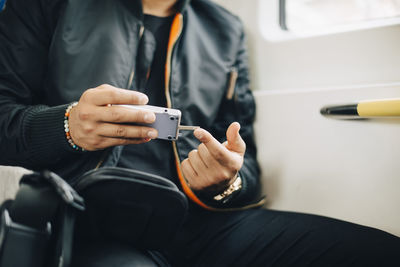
137	9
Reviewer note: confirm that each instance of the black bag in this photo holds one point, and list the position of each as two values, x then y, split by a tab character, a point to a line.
129	206
37	227
122	205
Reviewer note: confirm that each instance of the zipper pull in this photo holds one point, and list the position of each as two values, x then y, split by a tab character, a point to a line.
141	31
233	75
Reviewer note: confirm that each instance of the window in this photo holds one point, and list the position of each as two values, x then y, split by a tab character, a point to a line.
321	16
281	20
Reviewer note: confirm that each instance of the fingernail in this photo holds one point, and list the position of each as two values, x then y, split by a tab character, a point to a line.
152	134
239	126
143	99
198	134
149	118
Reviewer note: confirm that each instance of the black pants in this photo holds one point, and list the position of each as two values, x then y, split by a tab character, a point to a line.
267	238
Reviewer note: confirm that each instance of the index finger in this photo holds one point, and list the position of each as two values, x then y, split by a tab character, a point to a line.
107	94
216	149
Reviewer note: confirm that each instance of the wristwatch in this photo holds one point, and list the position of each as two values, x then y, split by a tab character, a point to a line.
234	187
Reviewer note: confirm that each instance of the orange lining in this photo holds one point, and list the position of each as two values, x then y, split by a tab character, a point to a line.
176	29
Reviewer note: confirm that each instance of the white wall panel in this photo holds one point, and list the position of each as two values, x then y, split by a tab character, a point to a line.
347	169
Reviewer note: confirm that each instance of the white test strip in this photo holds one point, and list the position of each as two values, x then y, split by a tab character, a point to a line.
187	128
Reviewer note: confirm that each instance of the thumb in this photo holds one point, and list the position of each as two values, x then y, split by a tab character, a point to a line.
234	140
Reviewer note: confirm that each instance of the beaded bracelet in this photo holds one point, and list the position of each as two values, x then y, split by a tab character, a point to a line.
66	128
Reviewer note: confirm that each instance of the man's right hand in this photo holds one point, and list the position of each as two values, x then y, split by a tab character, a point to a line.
96	124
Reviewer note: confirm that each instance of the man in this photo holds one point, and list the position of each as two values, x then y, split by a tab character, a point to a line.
181	54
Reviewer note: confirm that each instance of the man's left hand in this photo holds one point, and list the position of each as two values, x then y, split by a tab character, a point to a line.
214	166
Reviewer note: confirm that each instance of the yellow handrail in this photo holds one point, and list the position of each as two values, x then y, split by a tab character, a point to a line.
366	109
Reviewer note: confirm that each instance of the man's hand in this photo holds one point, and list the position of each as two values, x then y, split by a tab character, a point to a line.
213	166
95	124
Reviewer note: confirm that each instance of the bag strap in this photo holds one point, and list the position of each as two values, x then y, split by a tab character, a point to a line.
65	240
40	198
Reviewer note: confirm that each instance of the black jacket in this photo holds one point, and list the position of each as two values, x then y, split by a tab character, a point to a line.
51	51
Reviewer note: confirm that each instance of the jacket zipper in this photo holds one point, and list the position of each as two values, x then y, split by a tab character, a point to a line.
168	63
131	75
176	30
102	158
